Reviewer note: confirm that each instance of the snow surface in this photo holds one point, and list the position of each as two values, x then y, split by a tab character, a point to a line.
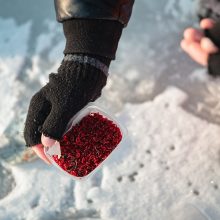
168	168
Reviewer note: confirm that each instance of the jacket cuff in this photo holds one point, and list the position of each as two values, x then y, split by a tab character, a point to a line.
91	36
214	64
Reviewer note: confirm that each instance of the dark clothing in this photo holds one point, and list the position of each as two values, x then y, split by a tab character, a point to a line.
93	27
117	10
93	37
214	59
211	9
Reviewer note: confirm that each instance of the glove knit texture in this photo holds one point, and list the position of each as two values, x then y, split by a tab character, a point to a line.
68	91
92	36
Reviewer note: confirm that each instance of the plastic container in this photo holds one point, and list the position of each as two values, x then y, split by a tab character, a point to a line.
88	154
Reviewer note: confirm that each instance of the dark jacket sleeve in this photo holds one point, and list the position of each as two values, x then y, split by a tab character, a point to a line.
93	26
214	59
117	10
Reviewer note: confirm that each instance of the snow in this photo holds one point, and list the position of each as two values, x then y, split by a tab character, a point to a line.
168	167
163	165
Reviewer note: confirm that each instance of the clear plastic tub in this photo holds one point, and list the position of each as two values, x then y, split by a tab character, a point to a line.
56	151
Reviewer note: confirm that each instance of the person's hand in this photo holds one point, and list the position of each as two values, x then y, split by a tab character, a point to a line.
79	80
197	45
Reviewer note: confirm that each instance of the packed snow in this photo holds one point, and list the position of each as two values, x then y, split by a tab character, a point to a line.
168	166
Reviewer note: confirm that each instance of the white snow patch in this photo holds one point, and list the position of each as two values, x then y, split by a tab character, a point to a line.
8	90
40	192
179	154
199	75
13	43
13	38
170	161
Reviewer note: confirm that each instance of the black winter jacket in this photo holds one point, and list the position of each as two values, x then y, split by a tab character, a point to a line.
119	10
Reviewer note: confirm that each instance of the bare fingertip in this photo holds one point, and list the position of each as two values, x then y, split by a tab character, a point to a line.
183	44
187	33
207	23
46	141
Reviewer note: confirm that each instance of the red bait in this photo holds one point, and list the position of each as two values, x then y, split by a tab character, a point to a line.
87	144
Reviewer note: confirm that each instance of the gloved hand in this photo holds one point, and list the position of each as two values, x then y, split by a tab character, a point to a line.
79	80
91	44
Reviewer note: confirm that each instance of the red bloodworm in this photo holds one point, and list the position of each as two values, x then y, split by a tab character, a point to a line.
87	144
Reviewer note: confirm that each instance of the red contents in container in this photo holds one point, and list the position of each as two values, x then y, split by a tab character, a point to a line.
87	144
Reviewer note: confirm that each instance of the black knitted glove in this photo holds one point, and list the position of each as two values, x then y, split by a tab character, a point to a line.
214	59
79	80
